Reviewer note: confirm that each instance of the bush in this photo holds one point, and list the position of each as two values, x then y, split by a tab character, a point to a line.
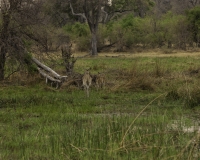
192	98
128	31
193	16
80	34
173	95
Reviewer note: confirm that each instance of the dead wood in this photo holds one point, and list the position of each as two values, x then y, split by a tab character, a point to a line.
57	81
53	82
47	69
50	75
68	58
75	80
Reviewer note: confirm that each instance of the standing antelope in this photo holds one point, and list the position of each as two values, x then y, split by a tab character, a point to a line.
87	81
100	80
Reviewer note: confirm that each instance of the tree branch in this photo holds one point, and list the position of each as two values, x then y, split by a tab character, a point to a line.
119	12
77	14
41	65
105	19
193	2
6	78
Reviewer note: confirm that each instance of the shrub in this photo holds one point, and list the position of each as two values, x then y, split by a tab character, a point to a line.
80	34
192	98
173	95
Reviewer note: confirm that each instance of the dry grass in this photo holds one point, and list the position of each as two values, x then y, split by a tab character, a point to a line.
132	76
148	53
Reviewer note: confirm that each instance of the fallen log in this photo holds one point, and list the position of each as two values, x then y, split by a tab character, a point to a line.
51	76
54	82
47	69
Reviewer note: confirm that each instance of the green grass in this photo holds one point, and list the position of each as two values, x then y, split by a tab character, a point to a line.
130	121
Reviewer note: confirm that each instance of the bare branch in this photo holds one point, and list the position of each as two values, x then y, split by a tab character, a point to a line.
77	14
105	19
193	2
18	68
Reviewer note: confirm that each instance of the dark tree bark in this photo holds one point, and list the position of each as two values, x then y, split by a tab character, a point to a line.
2	62
94	43
6	14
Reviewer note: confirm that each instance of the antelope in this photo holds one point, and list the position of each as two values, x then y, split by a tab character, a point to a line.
100	81
87	81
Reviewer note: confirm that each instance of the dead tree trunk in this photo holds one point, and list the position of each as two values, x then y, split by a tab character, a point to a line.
68	59
51	76
44	67
54	82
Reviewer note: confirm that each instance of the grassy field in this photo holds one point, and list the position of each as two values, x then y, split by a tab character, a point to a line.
149	110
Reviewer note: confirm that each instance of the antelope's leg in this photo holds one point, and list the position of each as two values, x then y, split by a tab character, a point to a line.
87	92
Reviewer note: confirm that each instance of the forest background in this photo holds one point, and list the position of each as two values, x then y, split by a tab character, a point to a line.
119	26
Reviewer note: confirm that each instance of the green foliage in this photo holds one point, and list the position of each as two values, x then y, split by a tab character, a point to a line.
194	16
122	4
191	97
174	28
128	22
77	29
27	43
32	69
79	32
151	3
194	19
129	31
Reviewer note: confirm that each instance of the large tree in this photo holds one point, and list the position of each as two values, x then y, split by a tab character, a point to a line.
96	11
19	21
91	11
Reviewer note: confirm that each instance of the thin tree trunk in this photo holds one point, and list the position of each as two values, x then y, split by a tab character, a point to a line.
2	62
4	40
